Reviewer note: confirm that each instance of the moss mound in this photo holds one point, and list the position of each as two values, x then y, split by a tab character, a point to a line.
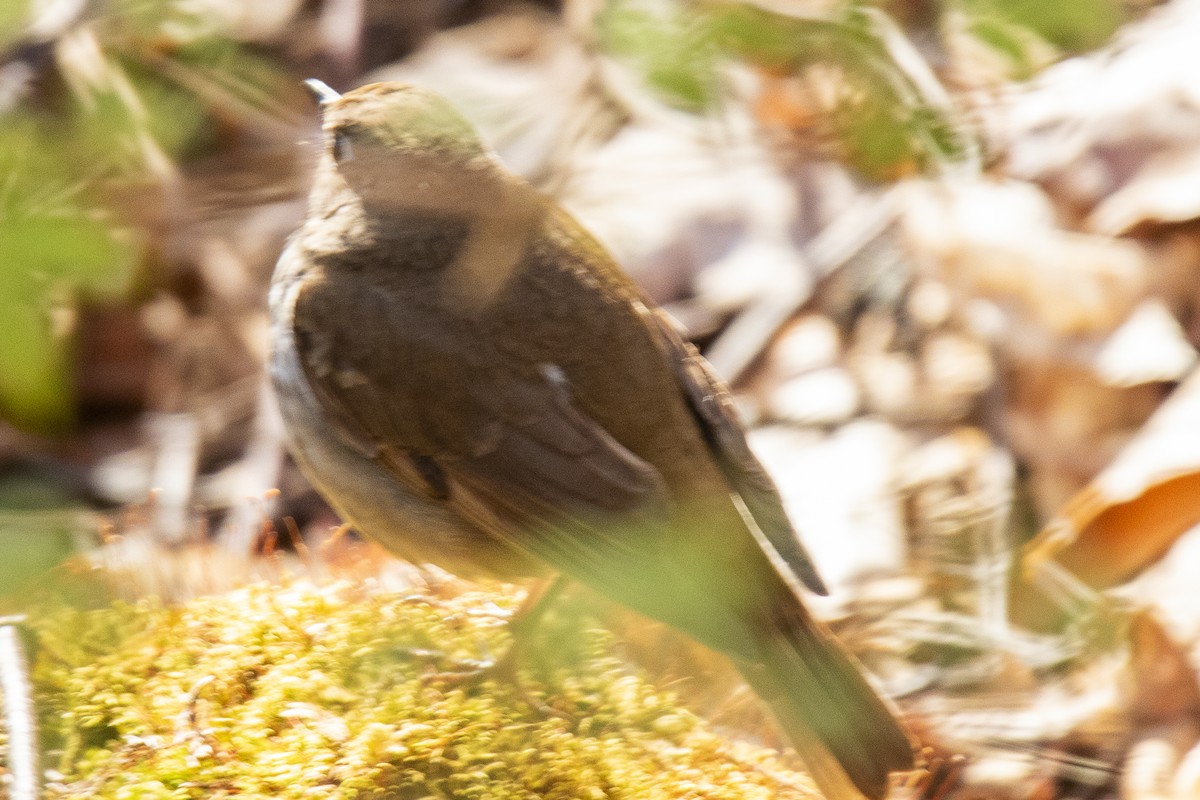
335	692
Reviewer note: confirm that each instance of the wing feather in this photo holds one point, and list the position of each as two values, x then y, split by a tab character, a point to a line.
501	442
716	413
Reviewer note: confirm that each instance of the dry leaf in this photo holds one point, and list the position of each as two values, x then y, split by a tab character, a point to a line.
955	365
1067	425
1149	347
1116	133
1153	761
1166	189
823	397
1135	509
1186	782
806	343
1161	682
999	240
518	76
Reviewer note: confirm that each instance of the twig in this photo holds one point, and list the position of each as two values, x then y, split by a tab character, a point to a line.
17	696
746	337
943	778
177	456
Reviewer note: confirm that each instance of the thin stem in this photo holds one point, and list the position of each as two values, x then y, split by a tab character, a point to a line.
19	719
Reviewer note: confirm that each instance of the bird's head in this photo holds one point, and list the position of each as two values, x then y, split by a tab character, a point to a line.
389	140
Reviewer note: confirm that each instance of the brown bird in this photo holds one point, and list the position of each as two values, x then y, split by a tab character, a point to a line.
470	380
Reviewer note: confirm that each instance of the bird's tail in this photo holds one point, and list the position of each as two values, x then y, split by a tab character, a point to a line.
816	691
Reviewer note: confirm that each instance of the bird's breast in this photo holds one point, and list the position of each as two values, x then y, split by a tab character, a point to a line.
362	491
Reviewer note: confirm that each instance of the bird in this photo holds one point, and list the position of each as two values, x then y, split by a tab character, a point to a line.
470	379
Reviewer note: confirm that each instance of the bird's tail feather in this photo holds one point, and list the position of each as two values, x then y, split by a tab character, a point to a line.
817	692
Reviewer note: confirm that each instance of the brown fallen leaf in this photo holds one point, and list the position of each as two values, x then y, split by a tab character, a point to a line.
1150	764
1000	240
1160	682
1137	507
1066	424
1113	135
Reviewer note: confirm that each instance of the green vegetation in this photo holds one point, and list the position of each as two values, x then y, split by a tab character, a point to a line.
91	139
881	116
332	692
1069	25
56	243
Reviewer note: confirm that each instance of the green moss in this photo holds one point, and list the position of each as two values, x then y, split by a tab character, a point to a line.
334	692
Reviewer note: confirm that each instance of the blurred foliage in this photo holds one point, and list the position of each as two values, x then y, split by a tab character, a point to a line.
881	114
128	94
329	692
881	117
14	14
1071	26
41	524
676	52
133	89
56	243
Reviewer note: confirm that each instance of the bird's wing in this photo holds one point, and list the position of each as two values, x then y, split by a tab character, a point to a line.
501	443
711	405
716	413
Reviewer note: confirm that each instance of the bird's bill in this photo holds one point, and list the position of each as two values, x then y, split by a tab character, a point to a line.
323	92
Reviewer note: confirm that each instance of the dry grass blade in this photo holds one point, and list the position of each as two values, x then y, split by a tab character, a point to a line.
748	335
19	718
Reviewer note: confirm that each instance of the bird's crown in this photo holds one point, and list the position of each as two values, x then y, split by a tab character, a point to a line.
392	119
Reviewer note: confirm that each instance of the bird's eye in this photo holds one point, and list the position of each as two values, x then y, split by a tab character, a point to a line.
342	152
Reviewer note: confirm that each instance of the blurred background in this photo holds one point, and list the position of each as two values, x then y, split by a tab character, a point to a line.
946	253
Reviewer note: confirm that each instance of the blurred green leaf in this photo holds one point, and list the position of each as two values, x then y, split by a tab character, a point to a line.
881	119
125	20
1070	25
146	80
1010	41
55	245
41	520
35	392
782	43
14	15
169	115
675	52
